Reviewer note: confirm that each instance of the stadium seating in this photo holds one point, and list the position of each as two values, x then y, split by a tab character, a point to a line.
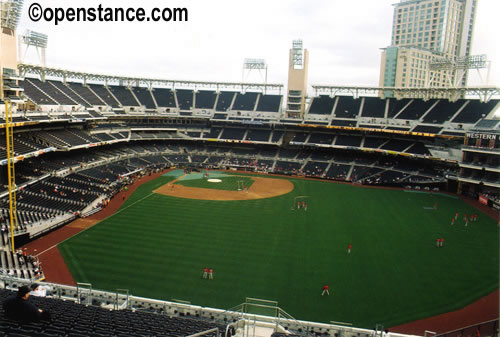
245	102
205	99
69	92
269	103
258	135
123	95
184	98
427	129
71	319
321	138
322	105
343	140
443	111
416	109
338	171
474	110
165	98
144	96
104	95
85	93
300	137
36	95
51	91
395	106
233	133
347	107
373	107
314	169
225	101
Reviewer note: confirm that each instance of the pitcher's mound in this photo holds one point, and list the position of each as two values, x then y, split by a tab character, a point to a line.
260	189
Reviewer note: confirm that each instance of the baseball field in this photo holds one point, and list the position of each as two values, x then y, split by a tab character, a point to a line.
260	245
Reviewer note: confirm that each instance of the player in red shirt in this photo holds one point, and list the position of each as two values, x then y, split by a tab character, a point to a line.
441	242
298	205
210	274
349	249
305	207
456	215
437	242
475	217
452	221
325	290
205	272
465	217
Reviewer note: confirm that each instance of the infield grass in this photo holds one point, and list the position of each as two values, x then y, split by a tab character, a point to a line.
228	183
156	246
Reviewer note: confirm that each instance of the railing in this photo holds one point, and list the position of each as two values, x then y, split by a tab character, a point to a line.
85	294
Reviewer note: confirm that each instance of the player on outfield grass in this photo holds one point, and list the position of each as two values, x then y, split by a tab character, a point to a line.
465	216
441	242
436	205
298	205
466	222
437	242
305	207
205	272
325	290
210	274
349	248
452	221
475	217
456	215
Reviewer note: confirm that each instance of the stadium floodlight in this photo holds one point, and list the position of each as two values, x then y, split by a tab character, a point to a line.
35	39
254	64
10	13
463	62
250	65
297	54
456	68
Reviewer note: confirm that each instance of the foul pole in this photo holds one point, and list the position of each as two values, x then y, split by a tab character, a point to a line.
9	132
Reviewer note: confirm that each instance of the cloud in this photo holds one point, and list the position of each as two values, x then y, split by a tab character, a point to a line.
344	39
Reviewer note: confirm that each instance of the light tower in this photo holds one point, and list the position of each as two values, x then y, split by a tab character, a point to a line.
251	65
455	69
297	79
33	39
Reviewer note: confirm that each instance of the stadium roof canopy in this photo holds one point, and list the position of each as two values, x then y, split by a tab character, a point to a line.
43	72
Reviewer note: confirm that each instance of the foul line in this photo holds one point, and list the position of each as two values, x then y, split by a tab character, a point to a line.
118	212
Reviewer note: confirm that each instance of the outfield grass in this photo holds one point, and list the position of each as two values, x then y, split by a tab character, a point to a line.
156	246
229	183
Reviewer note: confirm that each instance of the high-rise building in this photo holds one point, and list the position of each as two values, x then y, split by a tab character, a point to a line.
424	30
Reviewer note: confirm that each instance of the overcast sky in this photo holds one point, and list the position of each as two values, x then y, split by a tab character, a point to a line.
343	37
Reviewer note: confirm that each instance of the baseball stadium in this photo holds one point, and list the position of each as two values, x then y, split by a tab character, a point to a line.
163	207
